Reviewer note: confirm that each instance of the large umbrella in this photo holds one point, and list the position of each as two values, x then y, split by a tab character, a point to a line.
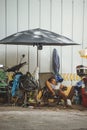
37	37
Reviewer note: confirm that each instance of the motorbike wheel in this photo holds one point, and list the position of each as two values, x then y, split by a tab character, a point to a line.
42	96
27	83
45	97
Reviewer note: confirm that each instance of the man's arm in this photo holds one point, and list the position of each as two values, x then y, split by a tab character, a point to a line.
49	87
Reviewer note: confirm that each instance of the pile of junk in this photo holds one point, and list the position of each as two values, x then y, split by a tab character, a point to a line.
15	87
21	89
82	84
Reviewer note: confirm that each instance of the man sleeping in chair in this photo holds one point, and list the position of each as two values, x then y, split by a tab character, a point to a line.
56	88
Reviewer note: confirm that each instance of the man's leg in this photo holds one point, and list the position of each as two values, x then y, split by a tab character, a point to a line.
61	93
71	93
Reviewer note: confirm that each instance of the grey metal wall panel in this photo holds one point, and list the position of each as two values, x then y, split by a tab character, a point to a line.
22	22
77	31
34	21
11	27
67	17
45	24
67	31
2	30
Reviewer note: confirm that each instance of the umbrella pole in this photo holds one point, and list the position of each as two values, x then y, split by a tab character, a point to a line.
37	56
38	66
39	47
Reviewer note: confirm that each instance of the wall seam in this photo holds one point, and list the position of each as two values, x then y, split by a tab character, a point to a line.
40	13
72	36
61	31
83	23
5	31
50	30
28	28
17	30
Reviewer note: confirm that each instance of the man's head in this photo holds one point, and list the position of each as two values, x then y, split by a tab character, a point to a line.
52	80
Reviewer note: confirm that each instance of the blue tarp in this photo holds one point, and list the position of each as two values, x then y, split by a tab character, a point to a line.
56	66
15	85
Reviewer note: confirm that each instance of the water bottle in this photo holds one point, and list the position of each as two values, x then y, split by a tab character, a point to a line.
77	98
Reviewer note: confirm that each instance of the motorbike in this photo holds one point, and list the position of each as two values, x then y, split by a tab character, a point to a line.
4	90
29	86
22	86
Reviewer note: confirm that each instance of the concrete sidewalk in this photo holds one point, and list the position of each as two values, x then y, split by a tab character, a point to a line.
18	118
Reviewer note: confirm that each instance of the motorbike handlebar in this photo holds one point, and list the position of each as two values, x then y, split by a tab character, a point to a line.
16	67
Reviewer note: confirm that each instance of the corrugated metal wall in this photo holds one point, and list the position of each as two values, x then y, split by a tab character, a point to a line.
66	17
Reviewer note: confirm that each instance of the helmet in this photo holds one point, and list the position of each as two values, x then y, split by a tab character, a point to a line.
58	78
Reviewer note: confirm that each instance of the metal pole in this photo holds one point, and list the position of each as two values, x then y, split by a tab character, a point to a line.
37	56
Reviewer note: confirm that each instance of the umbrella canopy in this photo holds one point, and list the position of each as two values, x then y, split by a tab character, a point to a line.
38	37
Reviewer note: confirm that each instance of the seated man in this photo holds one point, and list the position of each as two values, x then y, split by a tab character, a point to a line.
56	88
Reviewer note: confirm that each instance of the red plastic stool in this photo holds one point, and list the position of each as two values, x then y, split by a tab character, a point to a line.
84	97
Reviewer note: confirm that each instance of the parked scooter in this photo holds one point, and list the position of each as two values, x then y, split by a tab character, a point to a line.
15	70
21	84
4	89
30	88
